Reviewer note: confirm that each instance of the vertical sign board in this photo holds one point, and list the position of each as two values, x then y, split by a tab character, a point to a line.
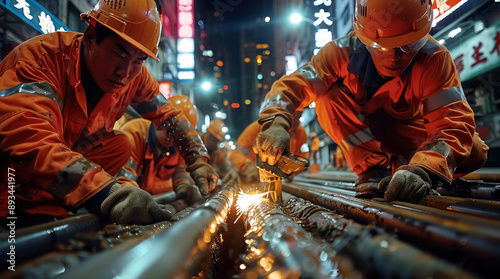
185	41
442	8
478	54
31	12
322	19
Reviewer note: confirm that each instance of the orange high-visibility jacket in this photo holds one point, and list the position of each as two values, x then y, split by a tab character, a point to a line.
43	113
406	114
243	154
153	175
315	144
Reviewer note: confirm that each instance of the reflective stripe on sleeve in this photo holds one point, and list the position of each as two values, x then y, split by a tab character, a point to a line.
37	88
243	150
356	139
127	174
151	105
312	77
443	98
69	177
278	100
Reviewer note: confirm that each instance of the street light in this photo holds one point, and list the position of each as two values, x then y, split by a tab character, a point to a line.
297	18
206	85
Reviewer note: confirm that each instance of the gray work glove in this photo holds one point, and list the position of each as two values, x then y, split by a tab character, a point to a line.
366	184
203	175
189	192
273	140
132	205
250	173
408	184
231	177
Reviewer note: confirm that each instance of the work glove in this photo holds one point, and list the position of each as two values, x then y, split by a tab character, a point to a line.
366	184
132	205
273	140
409	184
250	173
231	177
203	175
189	192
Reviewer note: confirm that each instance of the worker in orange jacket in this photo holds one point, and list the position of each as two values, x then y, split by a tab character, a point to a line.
244	159
389	95
218	152
314	148
155	165
60	95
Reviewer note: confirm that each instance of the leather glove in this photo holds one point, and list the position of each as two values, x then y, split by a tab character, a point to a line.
132	205
250	173
189	192
409	184
203	175
366	184
273	140
231	177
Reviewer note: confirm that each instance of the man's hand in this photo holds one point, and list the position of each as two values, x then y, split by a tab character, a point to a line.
189	192
366	184
231	177
203	175
132	205
250	173
409	184
273	140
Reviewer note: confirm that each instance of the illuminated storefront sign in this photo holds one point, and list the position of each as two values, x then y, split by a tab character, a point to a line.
478	54
442	8
323	21
35	15
185	43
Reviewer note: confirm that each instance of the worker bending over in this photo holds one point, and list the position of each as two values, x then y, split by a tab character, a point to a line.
389	94
60	95
155	165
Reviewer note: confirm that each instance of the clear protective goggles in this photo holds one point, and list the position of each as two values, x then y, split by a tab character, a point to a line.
409	48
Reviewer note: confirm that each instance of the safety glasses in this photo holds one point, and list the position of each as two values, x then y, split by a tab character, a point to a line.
409	48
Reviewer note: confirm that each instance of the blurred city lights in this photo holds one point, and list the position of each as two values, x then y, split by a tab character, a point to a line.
206	85
224	129
228	137
295	18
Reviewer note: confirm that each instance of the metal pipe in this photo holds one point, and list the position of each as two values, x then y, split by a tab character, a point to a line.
36	240
478	244
476	207
279	248
376	252
177	252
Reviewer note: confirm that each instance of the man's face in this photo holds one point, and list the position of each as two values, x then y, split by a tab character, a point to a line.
113	63
392	62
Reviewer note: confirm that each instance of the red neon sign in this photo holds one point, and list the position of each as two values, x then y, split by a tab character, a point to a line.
186	19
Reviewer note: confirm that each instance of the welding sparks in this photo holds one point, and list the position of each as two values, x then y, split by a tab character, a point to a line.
245	201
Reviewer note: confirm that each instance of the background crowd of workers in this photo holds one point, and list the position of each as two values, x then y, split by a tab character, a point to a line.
105	139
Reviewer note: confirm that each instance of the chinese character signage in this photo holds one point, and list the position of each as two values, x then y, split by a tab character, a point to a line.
323	21
479	54
443	8
35	15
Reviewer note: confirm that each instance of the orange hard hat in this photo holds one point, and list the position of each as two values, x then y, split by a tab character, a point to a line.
183	103
216	129
137	22
391	24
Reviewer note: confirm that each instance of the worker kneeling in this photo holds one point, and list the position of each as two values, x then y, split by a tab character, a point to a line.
390	96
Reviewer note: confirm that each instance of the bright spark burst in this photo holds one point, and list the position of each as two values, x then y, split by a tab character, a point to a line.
245	201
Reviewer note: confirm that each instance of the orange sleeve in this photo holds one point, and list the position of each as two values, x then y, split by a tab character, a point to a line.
297	140
241	156
452	123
